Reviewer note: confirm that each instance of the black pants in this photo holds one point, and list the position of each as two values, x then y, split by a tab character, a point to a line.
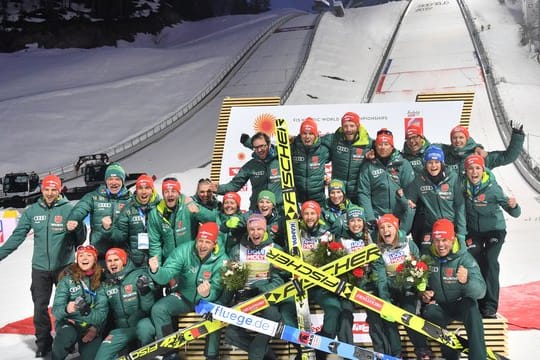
486	247
41	289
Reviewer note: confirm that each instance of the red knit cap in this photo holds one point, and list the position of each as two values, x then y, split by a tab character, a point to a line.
384	135
460	128
310	204
474	160
443	229
414	129
388	218
144	180
208	231
86	249
234	196
170	184
121	253
51	181
309	126
351	116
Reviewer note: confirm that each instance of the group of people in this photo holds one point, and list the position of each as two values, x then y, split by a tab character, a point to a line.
151	257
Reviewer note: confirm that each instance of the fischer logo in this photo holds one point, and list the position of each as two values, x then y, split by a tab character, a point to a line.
369	300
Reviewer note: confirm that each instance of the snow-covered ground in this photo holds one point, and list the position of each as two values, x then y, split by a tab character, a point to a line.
58	104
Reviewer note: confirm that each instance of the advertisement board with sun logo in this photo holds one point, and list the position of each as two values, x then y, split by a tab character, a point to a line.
436	119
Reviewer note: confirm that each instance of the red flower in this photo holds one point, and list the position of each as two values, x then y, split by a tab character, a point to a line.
400	267
358	272
421	265
335	246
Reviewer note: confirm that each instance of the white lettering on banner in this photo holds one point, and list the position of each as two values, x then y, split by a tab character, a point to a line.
247	321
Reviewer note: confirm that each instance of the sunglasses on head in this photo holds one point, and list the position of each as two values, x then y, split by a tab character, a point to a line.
86	247
384	132
204	180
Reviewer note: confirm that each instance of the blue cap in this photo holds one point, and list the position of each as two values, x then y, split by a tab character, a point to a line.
433	153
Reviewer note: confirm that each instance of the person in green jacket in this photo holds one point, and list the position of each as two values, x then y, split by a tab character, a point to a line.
196	268
414	147
455	284
396	248
439	190
355	237
206	197
80	306
230	220
262	277
314	231
486	227
262	171
382	180
104	206
275	223
335	207
130	231
309	157
463	145
348	147
53	251
174	220
129	291
413	150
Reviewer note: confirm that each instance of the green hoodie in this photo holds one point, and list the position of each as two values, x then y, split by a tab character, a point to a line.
53	244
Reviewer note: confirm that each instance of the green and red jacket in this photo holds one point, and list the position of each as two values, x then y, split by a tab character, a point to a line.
127	305
443	276
99	204
309	170
263	175
53	244
132	221
483	204
189	271
347	157
169	228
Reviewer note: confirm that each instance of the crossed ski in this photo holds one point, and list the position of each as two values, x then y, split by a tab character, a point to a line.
387	310
260	302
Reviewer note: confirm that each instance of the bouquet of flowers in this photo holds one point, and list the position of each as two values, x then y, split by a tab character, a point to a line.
234	275
412	273
325	253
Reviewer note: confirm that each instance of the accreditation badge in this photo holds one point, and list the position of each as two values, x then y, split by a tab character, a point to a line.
142	241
